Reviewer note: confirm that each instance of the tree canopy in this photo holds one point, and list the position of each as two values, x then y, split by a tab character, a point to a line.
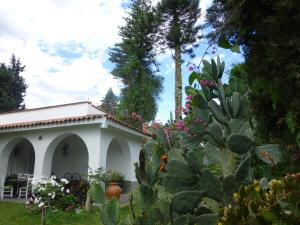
12	86
135	63
110	102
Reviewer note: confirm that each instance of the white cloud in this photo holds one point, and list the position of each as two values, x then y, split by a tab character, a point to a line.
43	32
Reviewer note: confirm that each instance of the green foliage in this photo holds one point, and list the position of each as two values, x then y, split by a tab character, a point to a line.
271	67
110	212
213	135
177	23
276	202
12	86
110	102
113	176
134	58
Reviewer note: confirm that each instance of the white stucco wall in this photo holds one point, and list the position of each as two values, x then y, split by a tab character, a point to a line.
119	158
124	157
71	110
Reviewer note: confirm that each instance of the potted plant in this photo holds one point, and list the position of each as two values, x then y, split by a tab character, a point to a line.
114	181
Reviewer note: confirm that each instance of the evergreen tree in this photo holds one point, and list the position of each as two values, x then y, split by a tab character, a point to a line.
110	102
178	30
135	63
12	86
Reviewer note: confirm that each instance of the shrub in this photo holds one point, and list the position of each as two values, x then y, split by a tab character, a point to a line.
50	194
276	202
113	176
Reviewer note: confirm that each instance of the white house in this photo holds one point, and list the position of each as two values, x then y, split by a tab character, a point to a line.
67	139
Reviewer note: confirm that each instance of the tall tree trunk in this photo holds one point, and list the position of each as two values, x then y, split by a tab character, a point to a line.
178	84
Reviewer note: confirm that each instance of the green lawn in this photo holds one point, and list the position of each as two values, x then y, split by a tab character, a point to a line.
12	213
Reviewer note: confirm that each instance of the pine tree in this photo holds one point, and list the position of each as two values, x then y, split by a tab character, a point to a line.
110	102
178	30
12	86
134	60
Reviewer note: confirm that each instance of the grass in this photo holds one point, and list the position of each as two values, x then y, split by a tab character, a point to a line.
14	213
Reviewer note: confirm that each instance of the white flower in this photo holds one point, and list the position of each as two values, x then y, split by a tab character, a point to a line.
42	189
65	181
53	195
49	194
53	183
68	191
53	177
27	202
62	189
41	204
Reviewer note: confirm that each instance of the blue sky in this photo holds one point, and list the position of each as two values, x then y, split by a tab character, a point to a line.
64	45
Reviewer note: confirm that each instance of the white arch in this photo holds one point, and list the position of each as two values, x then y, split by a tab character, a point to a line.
118	157
54	152
6	153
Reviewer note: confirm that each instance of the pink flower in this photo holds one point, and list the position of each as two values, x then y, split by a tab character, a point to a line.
180	125
207	83
186	129
189	97
155	125
187	106
204	82
199	121
191	68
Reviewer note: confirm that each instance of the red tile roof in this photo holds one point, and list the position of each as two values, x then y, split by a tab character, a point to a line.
115	119
49	122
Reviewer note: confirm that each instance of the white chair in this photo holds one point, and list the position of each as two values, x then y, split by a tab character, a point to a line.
22	177
7	191
26	190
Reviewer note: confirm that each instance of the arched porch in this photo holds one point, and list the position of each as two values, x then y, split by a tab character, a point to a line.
118	157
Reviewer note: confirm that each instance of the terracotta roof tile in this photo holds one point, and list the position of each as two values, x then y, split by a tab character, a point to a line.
115	119
110	117
48	122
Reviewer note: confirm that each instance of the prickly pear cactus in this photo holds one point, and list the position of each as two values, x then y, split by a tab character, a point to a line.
198	163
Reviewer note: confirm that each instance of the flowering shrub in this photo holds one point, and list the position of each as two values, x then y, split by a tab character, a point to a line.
48	193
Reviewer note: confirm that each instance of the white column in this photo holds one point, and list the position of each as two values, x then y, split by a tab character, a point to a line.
40	147
92	139
135	148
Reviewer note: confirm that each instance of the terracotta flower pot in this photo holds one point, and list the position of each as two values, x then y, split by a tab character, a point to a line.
113	190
